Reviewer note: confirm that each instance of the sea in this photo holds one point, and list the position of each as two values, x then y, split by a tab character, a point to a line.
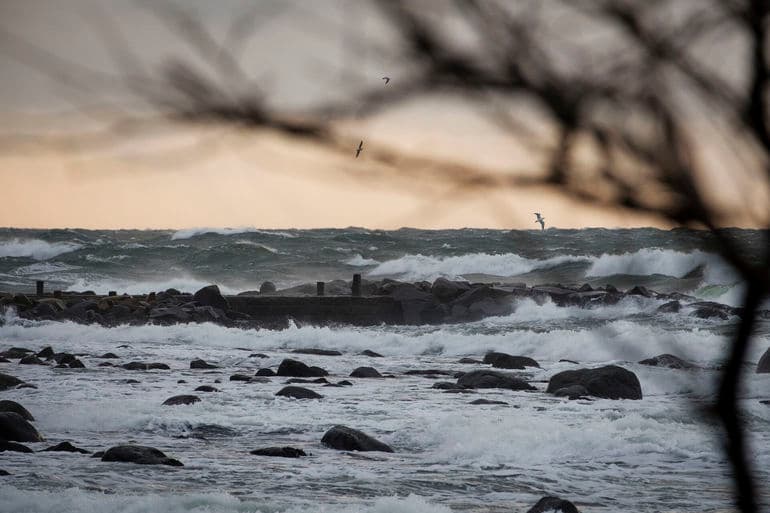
661	453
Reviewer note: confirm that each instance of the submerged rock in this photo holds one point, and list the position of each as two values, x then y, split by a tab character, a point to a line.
344	438
365	372
608	382
298	393
555	504
488	401
206	388
202	364
139	454
31	360
13	447
66	447
370	354
280	452
319	352
181	399
572	392
493	379
507	361
14	427
294	368
13	406
667	360
265	372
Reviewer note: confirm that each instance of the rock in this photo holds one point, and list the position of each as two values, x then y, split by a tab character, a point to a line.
31	360
553	504
488	401
180	381
303	380
139	454
564	360
445	290
157	366
344	438
708	312
108	356
493	379
5	472
640	291
15	353
298	393
46	352
258	355
280	452
240	377
13	447
572	392
15	407
181	399
4	360
267	287
171	315
320	352
370	354
76	364
446	385
298	369
506	361
201	364
145	366
265	372
66	447
14	427
345	383
608	382
469	360
365	372
429	372
667	360
106	364
64	358
210	296
670	307
22	301
206	388
763	366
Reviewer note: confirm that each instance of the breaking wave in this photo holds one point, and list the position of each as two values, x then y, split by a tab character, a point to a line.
36	248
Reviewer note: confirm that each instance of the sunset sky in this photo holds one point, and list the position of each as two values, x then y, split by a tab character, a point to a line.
169	175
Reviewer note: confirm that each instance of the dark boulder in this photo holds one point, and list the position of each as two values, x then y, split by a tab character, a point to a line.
553	504
445	290
572	392
488	401
181	399
763	366
469	360
240	377
365	372
608	382
76	364
298	393
670	307
5	472
14	427
709	312
267	287
370	353
139	454
667	360
7	405
639	290
210	296
46	352
431	373
157	366
206	388
344	438
446	385
280	452
15	353
303	380
258	355
493	379
507	361
66	447
294	368
265	372
135	366
201	364
13	447
109	356
319	352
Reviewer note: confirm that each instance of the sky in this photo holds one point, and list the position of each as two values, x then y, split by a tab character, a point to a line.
159	174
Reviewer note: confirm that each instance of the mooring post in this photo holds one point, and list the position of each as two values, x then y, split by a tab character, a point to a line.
112	293
355	289
40	285
319	288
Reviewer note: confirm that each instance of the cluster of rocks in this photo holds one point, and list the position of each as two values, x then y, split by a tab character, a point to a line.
443	301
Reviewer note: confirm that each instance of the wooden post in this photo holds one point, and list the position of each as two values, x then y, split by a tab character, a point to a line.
112	293
355	289
40	286
319	287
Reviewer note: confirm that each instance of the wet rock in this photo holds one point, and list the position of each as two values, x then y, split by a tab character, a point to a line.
553	504
139	454
469	361
76	364
202	364
370	354
670	307
709	312
180	381
298	393
429	372
564	360
4	472
640	291
488	401
344	438
345	383
280	452
181	399
493	379
258	355
66	447
507	361
106	364
13	447
108	356
763	366
31	360
317	381
572	392
210	296
240	377
446	385
64	358
4	360
206	388
667	360
608	382
15	353
14	427
265	372
170	315
145	366
445	290
13	406
267	287
294	368
365	372
46	352
319	352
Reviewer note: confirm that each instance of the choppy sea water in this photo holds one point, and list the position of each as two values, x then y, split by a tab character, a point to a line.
657	454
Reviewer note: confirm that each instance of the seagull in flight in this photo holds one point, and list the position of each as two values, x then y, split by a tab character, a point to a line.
386	79
360	148
540	220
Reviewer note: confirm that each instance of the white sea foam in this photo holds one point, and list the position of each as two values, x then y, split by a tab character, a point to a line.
663	261
43	268
36	248
358	261
193	232
258	245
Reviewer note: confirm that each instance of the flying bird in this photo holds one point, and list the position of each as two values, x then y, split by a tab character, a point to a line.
360	148
540	220
386	79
